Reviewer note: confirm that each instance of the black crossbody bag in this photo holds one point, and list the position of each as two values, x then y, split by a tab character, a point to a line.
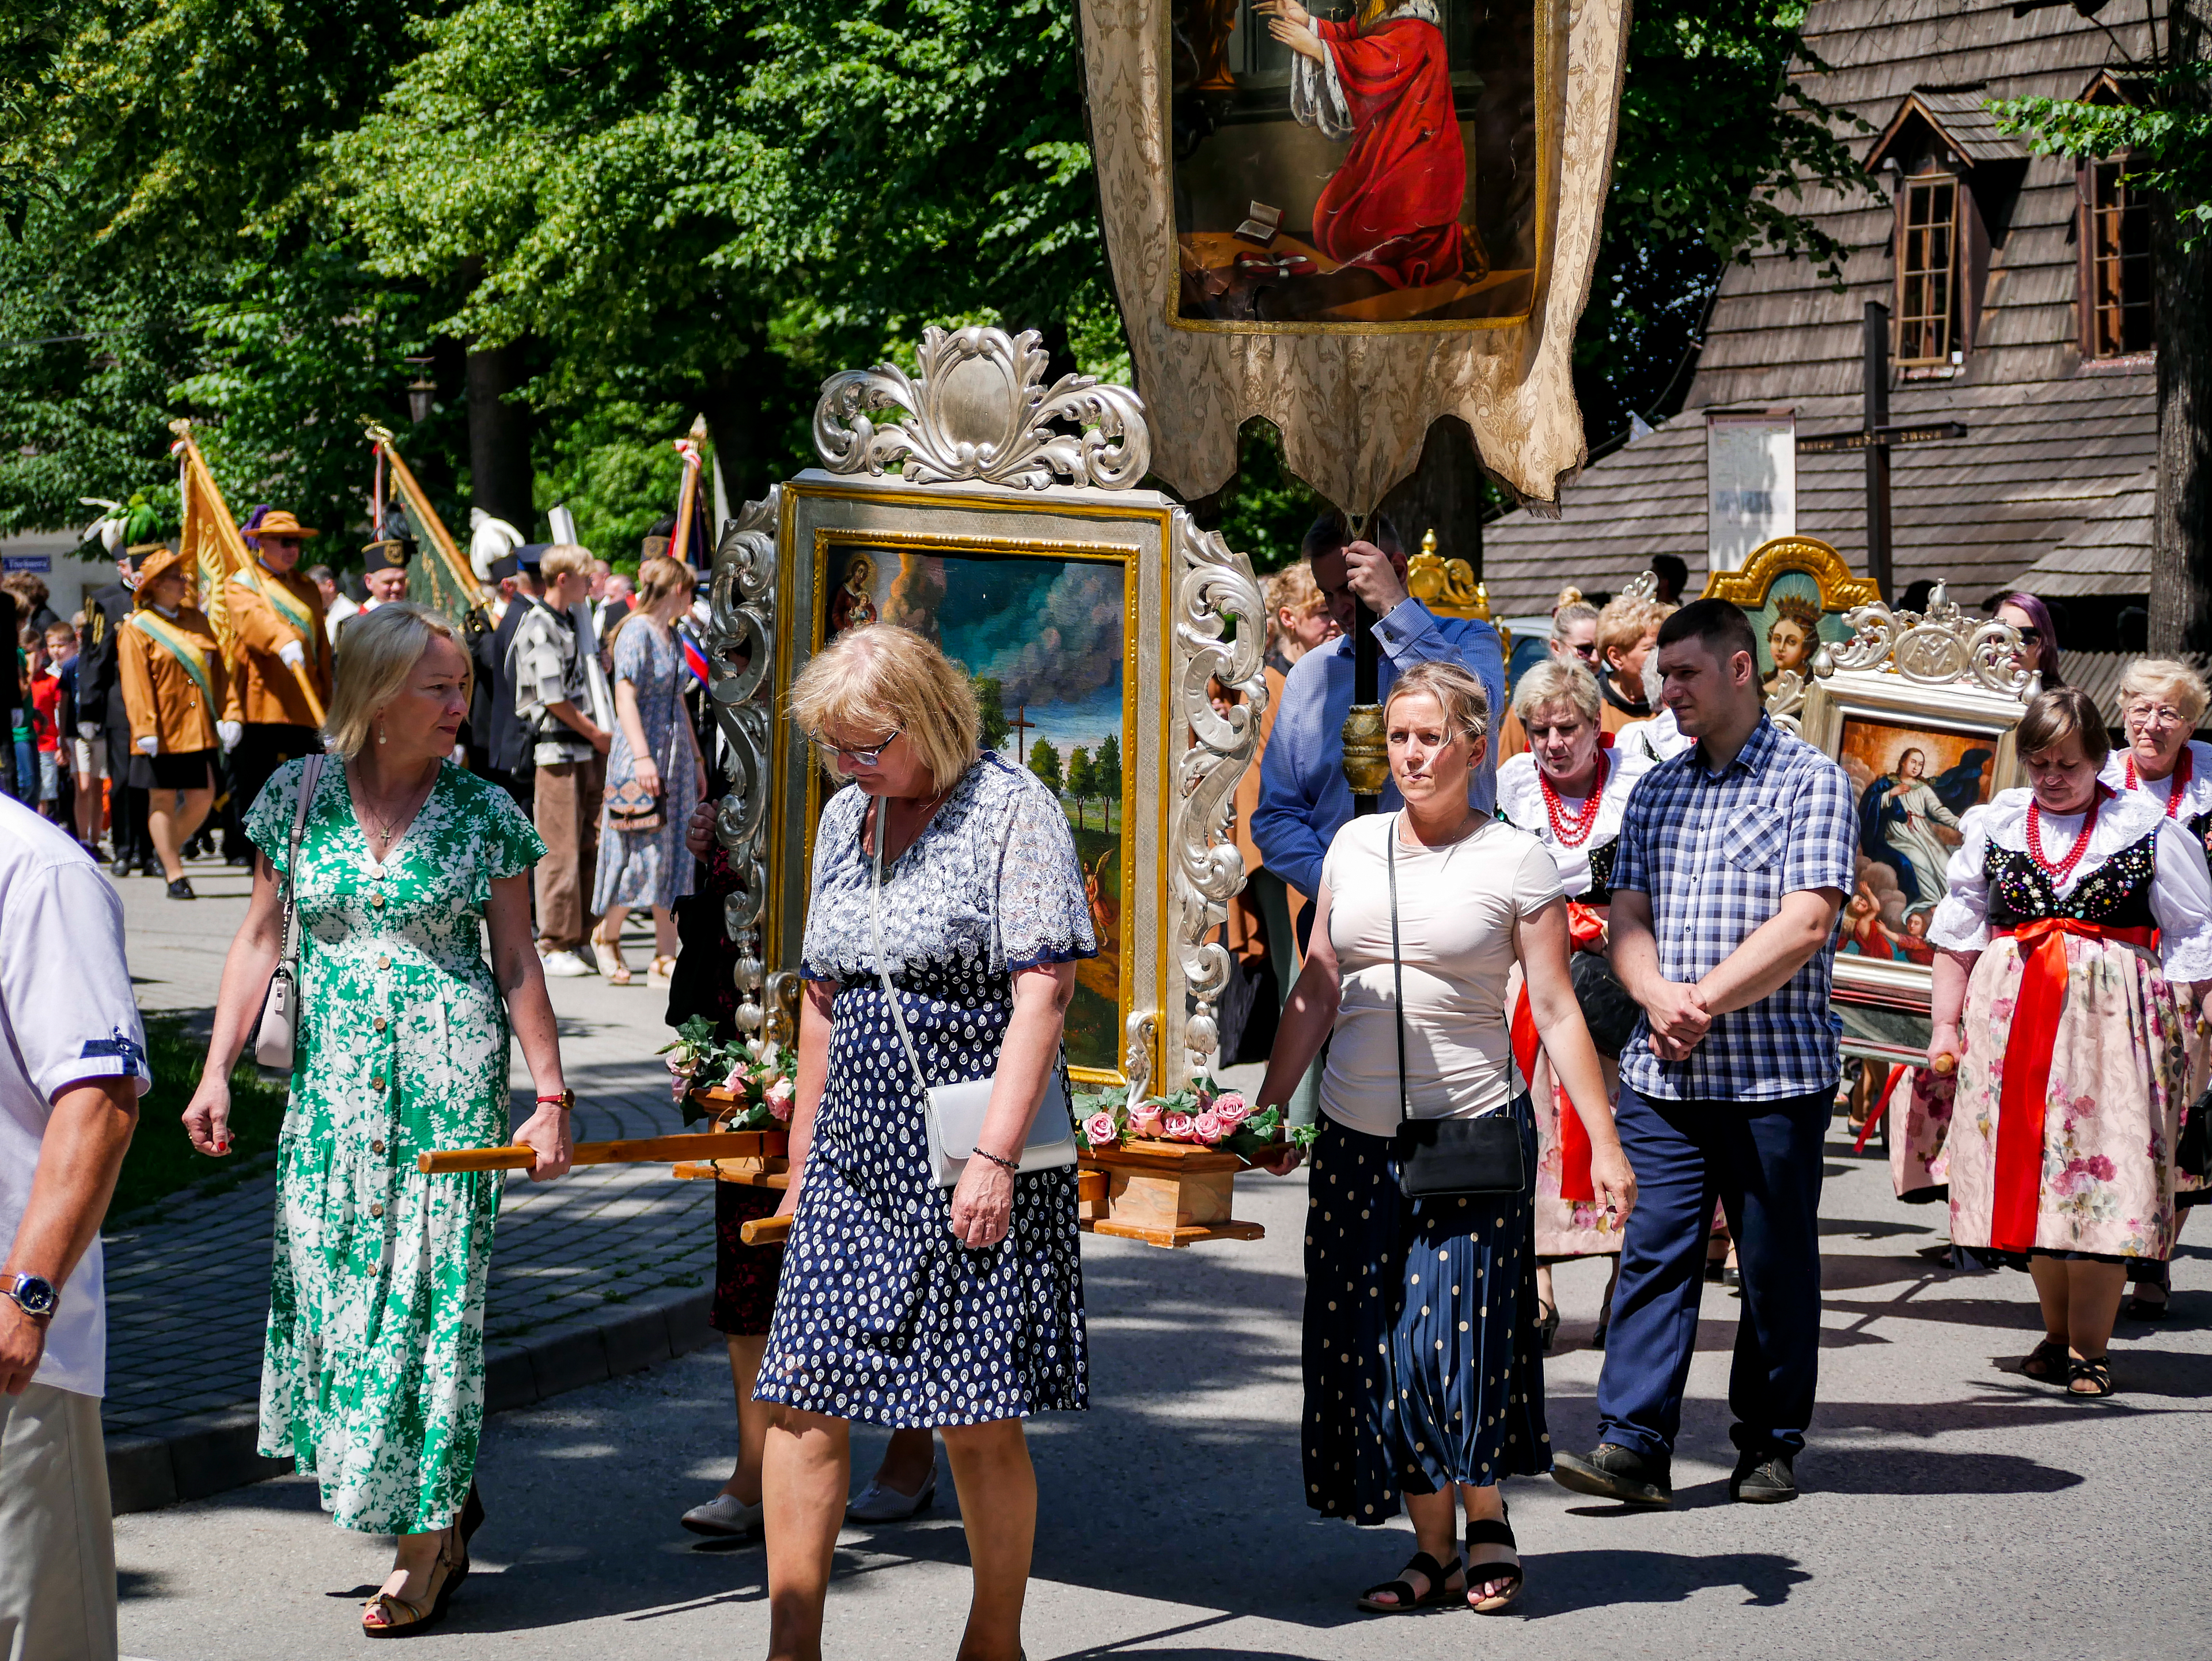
1442	1159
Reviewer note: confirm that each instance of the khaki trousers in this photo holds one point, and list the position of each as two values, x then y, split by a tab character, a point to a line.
57	1536
567	812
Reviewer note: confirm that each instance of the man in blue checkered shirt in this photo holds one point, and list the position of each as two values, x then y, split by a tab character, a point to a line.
1734	860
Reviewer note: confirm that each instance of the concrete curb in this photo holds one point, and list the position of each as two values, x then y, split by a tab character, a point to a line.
201	1454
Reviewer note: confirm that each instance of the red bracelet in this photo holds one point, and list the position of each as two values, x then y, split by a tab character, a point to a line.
566	1100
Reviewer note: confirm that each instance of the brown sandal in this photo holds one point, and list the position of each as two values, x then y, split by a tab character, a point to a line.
620	974
408	1614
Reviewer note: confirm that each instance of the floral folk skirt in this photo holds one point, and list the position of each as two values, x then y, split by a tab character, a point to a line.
2120	1066
1421	1361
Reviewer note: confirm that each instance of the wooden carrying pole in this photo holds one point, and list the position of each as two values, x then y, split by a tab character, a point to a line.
425	517
214	519
644	1150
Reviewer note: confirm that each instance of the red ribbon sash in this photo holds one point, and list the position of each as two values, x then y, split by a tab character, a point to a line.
2022	1098
1575	1182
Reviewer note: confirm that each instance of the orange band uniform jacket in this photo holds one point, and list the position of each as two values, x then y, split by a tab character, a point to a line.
163	700
268	689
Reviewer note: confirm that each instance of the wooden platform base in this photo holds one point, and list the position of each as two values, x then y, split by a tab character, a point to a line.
1165	1194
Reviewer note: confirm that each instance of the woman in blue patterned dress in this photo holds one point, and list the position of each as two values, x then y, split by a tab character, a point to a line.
653	746
902	1304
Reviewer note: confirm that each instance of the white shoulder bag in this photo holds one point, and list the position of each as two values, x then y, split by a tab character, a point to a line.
954	1112
279	1009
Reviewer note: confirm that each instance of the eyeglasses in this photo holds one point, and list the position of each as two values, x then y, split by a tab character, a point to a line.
2029	633
2156	715
867	757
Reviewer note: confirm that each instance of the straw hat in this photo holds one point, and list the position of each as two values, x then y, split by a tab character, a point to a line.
279	522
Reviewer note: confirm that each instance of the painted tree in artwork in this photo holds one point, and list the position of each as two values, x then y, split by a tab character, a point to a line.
991	705
1044	762
1082	779
1106	774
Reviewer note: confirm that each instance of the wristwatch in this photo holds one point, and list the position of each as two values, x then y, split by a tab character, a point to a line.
32	1293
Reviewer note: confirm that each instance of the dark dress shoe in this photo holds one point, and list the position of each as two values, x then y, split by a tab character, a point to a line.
182	890
1763	1479
1614	1472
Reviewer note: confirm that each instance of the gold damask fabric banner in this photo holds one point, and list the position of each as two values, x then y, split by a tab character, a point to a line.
1353	220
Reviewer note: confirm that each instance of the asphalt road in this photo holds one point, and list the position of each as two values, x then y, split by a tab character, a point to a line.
1952	1508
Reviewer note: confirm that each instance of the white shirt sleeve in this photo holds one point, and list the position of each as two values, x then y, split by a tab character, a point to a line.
1536	883
1961	922
64	987
2181	900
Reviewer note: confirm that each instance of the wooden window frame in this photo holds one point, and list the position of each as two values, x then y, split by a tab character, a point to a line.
1909	318
2092	263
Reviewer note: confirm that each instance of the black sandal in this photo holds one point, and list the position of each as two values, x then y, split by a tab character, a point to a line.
1439	1576
1491	1531
2097	1370
2046	1363
1547	1325
2140	1308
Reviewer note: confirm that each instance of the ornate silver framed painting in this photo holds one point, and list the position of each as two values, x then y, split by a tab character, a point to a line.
1089	616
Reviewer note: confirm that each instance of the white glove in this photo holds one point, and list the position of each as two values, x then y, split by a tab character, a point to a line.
88	731
293	652
229	732
148	745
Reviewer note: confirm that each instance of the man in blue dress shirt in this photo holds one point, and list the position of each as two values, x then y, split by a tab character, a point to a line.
1304	797
1734	858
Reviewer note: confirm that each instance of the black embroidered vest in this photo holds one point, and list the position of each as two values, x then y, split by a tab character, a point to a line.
2116	894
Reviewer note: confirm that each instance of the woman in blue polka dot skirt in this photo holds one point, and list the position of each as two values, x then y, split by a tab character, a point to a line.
902	1303
1424	1371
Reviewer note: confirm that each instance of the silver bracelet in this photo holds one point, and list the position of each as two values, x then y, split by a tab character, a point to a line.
1010	1165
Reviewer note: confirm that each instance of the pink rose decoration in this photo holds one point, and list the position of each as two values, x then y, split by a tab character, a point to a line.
1208	1128
738	1081
1178	1128
1100	1129
1146	1120
779	1098
1229	1108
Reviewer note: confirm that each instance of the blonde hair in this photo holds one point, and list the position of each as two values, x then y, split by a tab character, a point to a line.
377	652
657	578
1291	589
2051	715
1553	682
1457	692
881	678
1625	620
1570	612
2162	677
564	559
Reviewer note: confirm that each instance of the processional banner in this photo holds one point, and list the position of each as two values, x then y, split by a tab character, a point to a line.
1352	221
208	541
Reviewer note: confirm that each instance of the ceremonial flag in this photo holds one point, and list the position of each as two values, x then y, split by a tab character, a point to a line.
209	543
451	584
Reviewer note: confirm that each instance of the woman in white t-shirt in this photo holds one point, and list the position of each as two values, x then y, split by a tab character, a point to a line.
1422	1375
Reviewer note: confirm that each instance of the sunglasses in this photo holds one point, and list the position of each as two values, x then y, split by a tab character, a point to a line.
2029	633
867	757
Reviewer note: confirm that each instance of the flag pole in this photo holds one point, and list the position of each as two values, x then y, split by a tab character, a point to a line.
425	516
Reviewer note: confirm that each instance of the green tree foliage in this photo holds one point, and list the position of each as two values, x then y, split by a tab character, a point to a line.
1044	762
2166	135
991	706
1107	769
1082	779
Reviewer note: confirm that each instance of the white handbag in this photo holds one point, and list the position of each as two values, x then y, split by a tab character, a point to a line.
953	1113
279	1009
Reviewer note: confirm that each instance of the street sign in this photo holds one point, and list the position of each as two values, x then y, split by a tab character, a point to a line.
1832	443
27	563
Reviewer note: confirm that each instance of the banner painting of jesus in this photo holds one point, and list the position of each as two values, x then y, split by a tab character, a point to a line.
1376	167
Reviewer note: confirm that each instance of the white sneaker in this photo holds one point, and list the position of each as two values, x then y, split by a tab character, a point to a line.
566	966
726	1517
880	1504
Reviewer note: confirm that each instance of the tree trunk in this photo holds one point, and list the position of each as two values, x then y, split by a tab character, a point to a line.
500	474
2181	520
1446	494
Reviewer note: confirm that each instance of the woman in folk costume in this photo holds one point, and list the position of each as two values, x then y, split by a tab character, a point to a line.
2161	703
183	705
1569	791
2073	946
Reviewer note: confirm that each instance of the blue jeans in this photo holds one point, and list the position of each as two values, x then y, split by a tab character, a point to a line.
1762	1159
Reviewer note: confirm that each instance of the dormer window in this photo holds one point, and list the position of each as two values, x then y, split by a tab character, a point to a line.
2116	285
1927	269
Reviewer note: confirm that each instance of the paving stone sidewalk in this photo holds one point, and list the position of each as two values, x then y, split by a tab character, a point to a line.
600	1272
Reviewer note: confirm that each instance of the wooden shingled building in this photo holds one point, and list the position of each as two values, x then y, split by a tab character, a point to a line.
2019	290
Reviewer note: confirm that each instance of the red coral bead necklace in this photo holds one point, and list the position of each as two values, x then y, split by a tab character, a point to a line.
1573	829
2183	770
2064	868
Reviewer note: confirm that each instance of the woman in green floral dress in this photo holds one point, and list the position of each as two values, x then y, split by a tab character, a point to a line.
374	1374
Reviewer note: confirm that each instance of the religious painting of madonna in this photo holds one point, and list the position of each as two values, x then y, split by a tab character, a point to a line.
1913	782
1042	636
1363	164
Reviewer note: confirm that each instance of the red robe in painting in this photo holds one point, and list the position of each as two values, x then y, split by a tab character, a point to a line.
1393	207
